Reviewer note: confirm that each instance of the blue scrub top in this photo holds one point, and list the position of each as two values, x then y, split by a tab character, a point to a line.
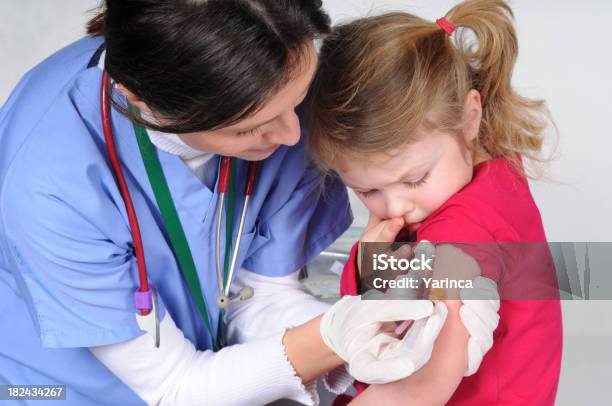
67	269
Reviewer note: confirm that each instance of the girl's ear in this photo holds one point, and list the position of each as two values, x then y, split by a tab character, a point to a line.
472	114
133	99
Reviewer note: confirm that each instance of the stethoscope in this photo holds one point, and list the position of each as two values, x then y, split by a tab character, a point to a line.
146	295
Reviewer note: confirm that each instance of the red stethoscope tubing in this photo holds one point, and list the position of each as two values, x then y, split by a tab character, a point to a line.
125	193
224	178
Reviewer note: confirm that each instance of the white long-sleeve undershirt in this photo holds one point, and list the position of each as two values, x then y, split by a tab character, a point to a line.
253	370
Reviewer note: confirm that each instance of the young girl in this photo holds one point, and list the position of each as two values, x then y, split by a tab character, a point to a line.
422	122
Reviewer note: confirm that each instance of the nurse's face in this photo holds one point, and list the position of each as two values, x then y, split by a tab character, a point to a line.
275	124
256	137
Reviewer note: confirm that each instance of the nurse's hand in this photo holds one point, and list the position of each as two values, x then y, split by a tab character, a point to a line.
362	333
479	315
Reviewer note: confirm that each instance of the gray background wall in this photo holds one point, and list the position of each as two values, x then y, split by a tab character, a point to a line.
564	57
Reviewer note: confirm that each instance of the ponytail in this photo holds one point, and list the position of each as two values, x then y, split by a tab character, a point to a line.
511	123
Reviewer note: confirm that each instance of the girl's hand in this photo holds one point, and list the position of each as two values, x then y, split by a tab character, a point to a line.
381	231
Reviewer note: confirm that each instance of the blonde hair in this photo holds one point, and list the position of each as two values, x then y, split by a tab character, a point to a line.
384	78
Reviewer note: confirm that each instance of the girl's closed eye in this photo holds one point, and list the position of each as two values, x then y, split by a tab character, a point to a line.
420	182
411	185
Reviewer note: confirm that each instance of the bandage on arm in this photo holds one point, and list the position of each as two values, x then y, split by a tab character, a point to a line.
177	374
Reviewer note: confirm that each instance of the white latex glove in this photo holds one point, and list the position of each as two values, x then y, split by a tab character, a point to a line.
387	359
360	332
480	318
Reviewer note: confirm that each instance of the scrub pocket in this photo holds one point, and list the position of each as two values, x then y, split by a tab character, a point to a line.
253	241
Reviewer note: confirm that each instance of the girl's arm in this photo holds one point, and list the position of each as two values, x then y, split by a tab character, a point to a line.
437	380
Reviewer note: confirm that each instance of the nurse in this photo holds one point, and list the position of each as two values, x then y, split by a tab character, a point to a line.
205	78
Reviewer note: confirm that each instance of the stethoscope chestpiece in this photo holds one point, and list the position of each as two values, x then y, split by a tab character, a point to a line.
223	301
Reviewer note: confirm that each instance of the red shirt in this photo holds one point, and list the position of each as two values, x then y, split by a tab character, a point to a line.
522	367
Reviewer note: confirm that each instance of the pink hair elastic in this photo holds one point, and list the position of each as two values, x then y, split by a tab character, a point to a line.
446	25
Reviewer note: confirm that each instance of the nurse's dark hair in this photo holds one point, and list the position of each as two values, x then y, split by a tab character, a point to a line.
203	65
